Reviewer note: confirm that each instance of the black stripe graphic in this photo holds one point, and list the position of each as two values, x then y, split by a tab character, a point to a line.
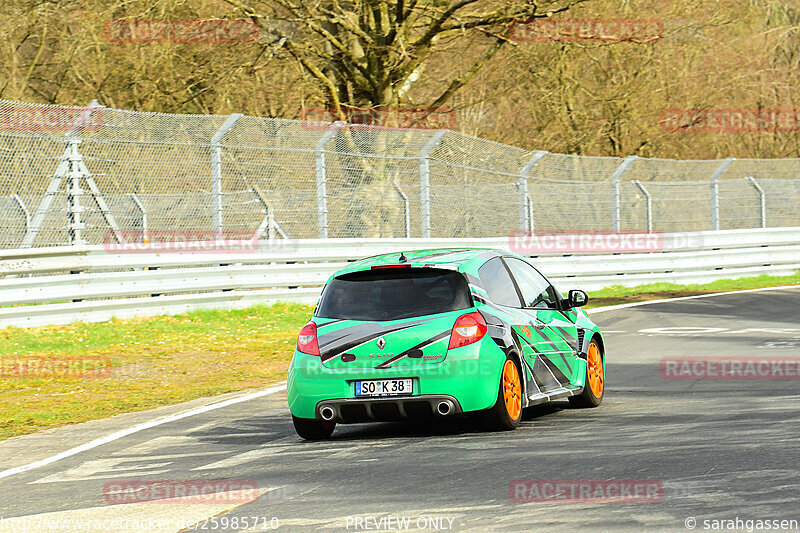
566	363
334	343
419	346
558	374
329	323
516	336
568	338
559	378
547	340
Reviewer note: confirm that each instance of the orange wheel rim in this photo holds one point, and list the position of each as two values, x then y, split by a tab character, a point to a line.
595	370
512	390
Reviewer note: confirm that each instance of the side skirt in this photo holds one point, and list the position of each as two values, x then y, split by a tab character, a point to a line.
555	394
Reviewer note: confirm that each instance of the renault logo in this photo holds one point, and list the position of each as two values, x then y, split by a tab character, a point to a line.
381	343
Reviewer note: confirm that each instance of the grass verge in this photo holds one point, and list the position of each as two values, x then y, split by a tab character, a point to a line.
165	360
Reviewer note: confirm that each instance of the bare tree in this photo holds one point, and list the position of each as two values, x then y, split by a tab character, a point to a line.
371	53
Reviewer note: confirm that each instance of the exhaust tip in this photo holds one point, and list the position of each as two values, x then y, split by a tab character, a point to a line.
444	407
327	413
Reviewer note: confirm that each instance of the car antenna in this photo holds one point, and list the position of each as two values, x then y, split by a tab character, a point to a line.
402	258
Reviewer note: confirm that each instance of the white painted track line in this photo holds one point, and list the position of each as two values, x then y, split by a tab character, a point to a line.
135	429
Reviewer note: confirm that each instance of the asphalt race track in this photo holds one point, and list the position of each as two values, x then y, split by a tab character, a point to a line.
719	449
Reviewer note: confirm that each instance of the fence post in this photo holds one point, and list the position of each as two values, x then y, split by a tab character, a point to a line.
406	209
715	191
216	173
425	182
649	205
84	120
75	226
24	210
762	198
616	218
142	216
322	178
525	204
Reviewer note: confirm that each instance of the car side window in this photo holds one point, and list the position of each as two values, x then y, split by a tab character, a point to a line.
497	281
536	290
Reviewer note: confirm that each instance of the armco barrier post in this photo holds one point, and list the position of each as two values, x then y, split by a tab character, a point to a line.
715	191
616	219
322	177
525	209
425	182
216	172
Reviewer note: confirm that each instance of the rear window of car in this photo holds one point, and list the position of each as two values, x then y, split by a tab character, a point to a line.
393	294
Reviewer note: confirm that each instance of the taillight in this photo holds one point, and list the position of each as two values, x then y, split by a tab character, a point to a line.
307	340
469	328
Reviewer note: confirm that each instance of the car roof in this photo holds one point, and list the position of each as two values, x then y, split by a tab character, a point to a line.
460	259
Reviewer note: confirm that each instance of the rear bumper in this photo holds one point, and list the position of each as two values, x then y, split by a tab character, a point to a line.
469	377
353	410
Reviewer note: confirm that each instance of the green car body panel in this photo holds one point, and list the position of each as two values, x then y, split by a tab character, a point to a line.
550	346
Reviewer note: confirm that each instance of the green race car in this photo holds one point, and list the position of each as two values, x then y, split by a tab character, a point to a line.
440	333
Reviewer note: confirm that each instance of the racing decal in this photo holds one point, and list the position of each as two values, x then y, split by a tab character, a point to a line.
507	310
554	370
543	337
545	372
414	349
530	371
568	338
336	342
566	363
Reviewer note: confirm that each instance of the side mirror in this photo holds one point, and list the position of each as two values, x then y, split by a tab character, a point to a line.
577	298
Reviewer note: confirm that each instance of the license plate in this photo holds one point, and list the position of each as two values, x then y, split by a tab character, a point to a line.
383	387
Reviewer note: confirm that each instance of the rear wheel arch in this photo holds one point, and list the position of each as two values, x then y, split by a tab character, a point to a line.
522	379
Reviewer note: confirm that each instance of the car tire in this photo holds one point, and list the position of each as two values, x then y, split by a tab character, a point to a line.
506	414
594	383
313	429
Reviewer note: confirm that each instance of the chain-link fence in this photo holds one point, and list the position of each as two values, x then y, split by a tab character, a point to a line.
70	175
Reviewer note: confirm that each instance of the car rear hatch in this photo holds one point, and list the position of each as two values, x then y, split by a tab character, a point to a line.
390	317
